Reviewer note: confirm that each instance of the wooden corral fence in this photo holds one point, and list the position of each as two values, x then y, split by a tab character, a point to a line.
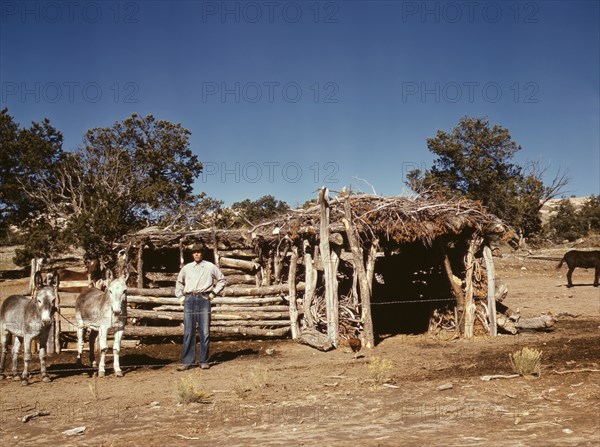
348	267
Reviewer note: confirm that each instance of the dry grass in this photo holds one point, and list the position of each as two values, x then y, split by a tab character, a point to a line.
93	386
526	362
188	391
258	378
379	369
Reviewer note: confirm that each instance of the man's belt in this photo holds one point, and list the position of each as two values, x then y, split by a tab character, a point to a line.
197	293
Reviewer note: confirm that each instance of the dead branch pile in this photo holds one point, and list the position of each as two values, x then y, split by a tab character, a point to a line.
397	219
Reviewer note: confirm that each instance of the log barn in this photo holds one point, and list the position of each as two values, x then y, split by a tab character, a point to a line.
351	266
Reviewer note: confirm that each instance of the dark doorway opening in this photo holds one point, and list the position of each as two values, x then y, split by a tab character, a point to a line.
408	286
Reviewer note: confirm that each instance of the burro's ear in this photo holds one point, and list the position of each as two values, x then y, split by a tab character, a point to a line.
122	254
38	281
54	281
125	277
109	276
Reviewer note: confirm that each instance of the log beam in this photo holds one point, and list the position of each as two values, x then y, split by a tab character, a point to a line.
250	318
166	331
238	264
277	289
218	300
231	308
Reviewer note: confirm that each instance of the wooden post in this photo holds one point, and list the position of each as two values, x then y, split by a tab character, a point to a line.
292	283
57	347
268	269
330	262
258	277
278	260
181	253
363	282
216	248
371	263
355	300
491	277
36	265
311	283
50	343
469	303
140	265
454	283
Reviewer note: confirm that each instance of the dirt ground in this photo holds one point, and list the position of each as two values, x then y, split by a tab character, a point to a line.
265	392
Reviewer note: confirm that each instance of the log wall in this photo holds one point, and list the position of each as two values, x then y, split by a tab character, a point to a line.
246	306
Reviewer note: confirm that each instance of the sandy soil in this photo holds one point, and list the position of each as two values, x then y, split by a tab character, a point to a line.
280	392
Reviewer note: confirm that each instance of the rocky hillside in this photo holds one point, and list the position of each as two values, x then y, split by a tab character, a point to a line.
550	208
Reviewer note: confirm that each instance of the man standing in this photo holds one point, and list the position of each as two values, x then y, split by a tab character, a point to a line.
195	288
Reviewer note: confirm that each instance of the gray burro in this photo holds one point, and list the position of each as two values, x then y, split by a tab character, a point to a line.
28	318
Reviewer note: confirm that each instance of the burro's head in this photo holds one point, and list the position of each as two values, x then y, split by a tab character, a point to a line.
44	296
117	291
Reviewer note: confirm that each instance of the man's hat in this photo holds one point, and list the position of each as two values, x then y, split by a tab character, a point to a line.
196	247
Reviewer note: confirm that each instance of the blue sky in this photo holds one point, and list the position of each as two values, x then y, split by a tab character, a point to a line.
284	97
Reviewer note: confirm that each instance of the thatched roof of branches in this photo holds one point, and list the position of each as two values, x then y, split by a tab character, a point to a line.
397	219
394	219
159	237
